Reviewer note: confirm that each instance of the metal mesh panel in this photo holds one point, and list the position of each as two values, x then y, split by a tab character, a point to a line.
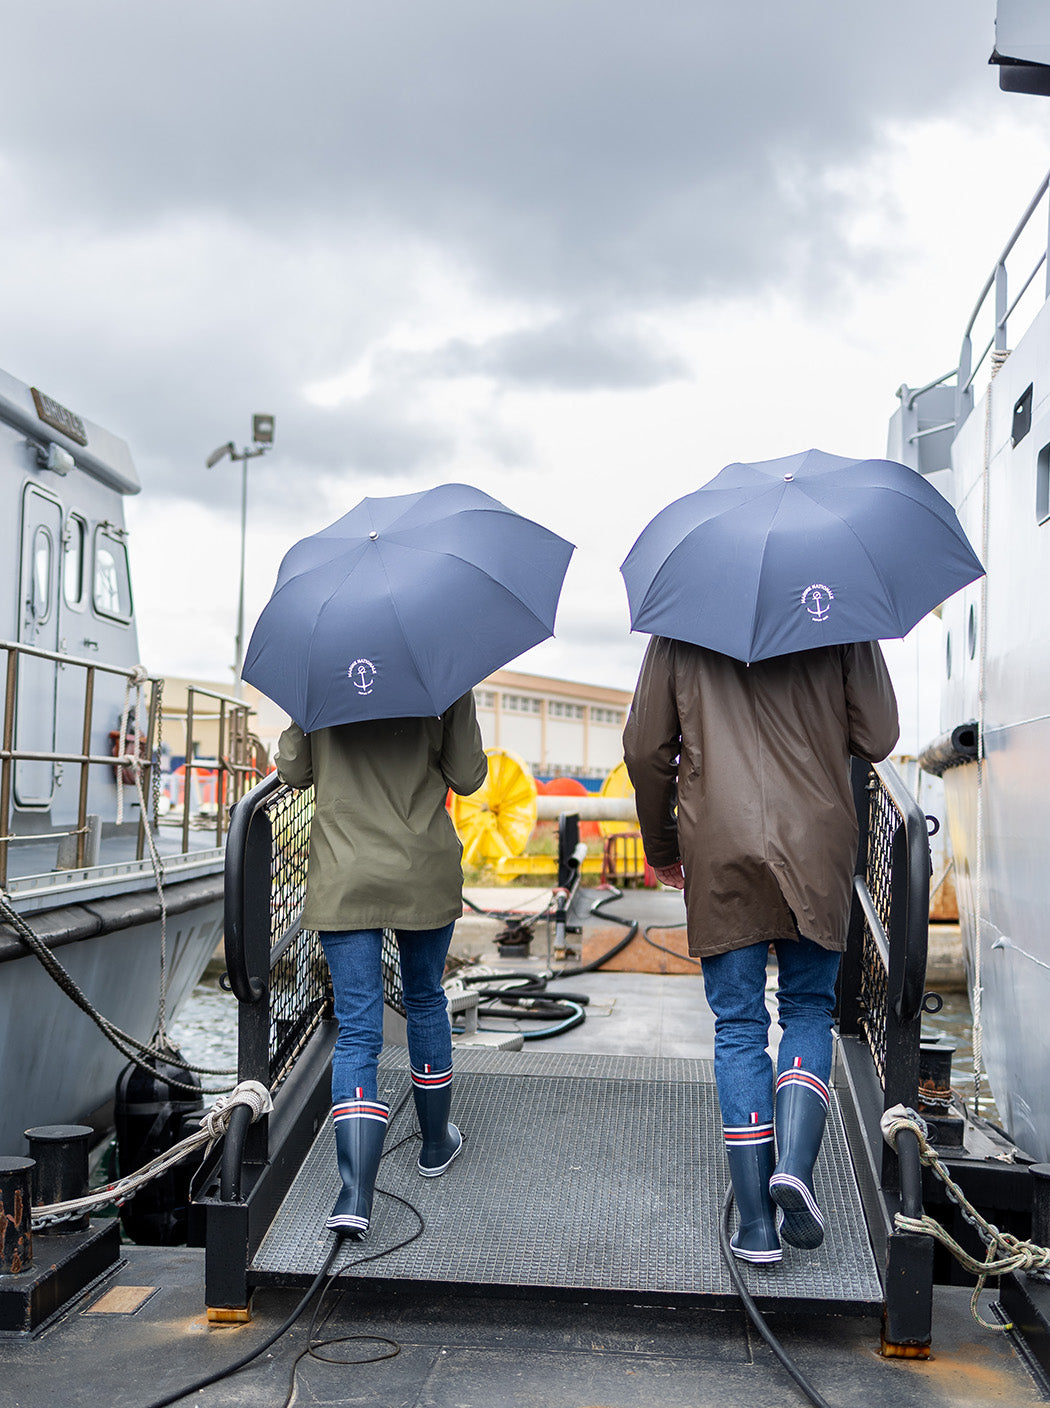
884	820
300	984
393	993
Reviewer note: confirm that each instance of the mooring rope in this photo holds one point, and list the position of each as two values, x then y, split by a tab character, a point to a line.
1005	1252
214	1124
128	1045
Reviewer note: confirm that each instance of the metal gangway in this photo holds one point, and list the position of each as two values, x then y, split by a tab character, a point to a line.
581	1178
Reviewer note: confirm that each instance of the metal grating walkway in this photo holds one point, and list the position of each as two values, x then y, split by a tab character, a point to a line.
588	1173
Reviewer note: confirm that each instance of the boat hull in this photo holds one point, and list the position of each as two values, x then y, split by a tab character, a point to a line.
58	1067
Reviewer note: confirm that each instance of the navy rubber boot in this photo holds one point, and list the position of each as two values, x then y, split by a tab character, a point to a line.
800	1116
442	1141
749	1149
360	1128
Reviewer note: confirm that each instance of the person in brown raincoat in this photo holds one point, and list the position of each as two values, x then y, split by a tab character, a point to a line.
741	777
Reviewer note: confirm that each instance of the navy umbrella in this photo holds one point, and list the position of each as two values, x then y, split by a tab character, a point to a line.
793	553
402	605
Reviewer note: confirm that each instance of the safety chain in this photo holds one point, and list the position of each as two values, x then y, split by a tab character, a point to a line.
214	1124
1005	1252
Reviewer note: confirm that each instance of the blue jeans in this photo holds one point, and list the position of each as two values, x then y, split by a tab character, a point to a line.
357	983
735	985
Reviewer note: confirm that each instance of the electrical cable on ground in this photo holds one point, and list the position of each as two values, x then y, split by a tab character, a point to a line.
338	1244
754	1314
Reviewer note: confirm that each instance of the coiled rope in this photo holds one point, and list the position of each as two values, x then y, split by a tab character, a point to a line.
1005	1252
214	1124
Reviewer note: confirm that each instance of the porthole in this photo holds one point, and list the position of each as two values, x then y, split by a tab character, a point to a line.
971	632
948	655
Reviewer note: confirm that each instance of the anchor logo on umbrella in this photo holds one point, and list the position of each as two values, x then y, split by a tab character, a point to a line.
817	600
362	675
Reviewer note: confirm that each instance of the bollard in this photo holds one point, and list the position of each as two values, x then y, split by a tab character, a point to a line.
16	1216
1040	1205
61	1155
935	1077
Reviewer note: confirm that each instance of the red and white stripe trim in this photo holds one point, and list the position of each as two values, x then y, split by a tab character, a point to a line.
429	1079
361	1110
795	1075
739	1135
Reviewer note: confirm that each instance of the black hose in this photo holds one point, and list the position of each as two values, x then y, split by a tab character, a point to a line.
754	1314
246	1359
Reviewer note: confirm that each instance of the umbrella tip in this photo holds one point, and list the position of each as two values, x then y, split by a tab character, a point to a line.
373	534
788	478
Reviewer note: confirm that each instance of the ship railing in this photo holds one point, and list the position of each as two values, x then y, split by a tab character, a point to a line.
1014	273
881	1003
240	759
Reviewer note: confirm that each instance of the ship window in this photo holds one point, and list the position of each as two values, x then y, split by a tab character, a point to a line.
43	550
112	584
74	544
971	633
948	655
1042	485
1022	420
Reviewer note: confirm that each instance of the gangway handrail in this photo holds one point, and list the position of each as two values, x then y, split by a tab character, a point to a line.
245	986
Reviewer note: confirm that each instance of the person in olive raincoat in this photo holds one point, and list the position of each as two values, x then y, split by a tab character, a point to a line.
741	776
385	855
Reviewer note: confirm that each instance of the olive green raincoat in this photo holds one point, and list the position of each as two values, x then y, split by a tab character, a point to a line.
383	850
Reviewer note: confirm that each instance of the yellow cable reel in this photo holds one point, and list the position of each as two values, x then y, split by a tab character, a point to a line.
497	820
617	784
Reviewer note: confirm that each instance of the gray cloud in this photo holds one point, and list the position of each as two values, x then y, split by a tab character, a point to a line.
568	354
601	147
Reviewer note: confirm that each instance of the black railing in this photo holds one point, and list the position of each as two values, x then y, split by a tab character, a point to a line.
881	992
286	1031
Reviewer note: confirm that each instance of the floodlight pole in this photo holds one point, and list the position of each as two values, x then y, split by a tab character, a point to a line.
263	430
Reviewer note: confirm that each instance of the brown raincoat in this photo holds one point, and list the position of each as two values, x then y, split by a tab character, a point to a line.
756	758
383	850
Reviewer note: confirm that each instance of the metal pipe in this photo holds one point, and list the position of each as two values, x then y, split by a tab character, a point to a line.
5	760
85	744
549	808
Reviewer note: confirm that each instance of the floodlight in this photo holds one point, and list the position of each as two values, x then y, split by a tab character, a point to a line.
221	453
262	430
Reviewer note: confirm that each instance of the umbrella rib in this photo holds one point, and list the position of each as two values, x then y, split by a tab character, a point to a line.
474	567
404	636
875	567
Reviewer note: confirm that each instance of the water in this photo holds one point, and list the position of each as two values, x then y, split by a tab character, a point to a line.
954	1023
205	1030
206	1033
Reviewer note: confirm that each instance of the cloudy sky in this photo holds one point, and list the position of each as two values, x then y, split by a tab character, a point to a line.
580	253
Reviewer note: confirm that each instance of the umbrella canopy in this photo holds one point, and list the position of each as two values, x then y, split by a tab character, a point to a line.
793	553
402	605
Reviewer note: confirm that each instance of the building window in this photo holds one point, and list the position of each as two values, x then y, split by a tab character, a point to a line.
606	716
520	704
484	699
558	709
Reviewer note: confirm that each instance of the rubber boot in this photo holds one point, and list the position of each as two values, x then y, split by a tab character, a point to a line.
800	1115
360	1128
749	1149
442	1141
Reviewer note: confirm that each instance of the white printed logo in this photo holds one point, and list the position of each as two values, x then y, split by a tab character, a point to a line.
817	600
362	675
